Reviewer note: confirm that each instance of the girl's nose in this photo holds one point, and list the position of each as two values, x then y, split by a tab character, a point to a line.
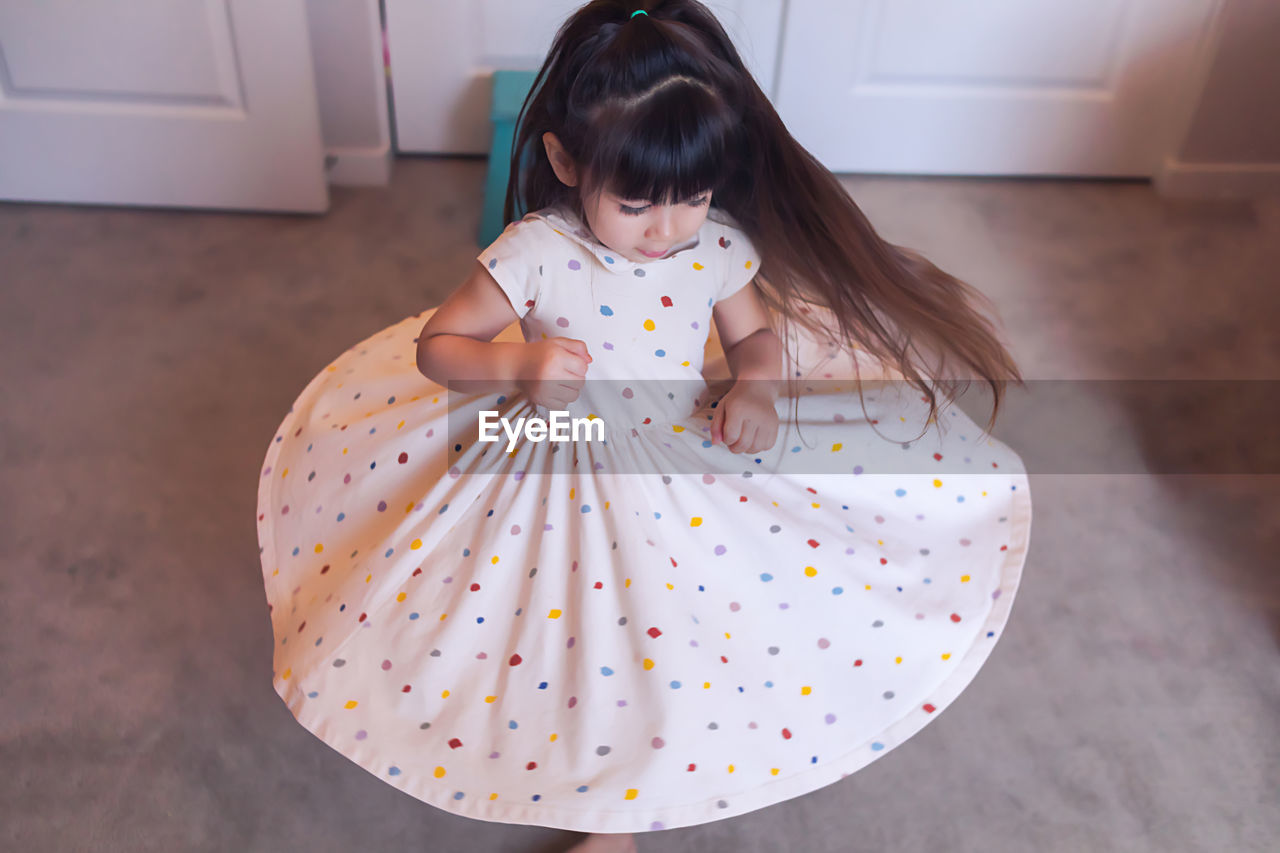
663	226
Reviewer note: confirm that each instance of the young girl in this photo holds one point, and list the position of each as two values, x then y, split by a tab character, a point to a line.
708	610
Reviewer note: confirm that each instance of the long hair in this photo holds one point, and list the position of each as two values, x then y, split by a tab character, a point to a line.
661	107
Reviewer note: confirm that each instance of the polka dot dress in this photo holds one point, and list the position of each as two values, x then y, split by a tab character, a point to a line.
638	634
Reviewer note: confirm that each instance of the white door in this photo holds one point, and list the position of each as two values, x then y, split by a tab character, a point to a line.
184	103
959	87
991	87
442	54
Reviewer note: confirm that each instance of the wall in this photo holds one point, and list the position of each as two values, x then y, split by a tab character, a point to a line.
346	45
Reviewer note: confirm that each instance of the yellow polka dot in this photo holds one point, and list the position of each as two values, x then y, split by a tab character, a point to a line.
835	448
344	451
897	659
319	547
606	504
984	494
490	699
730	768
805	691
554	614
747	265
698	266
868	587
399	425
631	794
571	491
810	571
444	616
626	583
351	703
493	796
494	560
677	427
964	579
439	772
331	368
815	505
671	586
774	771
937	484
435	399
946	656
684	363
706	685
553	737
288	672
879	541
727	635
648	664
368	577
649	325
408	508
696	521
402	596
444	695
415	544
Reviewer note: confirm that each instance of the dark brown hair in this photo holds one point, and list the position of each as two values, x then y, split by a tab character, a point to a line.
661	107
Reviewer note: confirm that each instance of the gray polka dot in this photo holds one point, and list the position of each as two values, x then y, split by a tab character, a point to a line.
747	474
339	662
924	551
666	480
622	620
713	726
773	650
888	694
435	653
878	623
721	804
774	528
425	726
533	571
639	273
603	750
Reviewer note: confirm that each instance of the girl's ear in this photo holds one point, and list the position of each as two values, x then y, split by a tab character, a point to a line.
564	167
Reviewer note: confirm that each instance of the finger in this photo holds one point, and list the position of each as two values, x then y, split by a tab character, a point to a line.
717	424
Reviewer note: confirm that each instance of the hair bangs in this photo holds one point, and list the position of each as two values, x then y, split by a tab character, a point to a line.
667	148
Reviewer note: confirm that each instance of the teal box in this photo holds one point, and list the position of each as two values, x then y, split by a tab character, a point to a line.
510	88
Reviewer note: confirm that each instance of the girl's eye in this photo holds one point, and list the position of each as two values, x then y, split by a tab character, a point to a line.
636	211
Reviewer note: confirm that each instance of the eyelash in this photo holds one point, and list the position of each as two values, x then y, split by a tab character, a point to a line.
636	211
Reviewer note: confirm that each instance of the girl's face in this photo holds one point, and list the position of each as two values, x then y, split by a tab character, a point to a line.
642	231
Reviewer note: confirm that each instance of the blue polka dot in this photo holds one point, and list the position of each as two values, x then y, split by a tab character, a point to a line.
606	310
899	492
586	508
766	577
675	685
659	352
604	670
394	771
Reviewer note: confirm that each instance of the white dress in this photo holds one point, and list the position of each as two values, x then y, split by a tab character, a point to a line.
640	633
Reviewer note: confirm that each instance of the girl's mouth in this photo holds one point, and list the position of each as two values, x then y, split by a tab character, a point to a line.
653	254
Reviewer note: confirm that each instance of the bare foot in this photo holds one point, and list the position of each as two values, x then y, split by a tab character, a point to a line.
597	842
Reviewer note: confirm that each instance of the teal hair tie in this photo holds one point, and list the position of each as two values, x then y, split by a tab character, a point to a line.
639	12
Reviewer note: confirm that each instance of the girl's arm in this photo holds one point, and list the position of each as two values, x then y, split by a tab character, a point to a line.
456	344
751	348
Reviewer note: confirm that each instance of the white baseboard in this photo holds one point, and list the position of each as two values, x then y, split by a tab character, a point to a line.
1180	179
358	166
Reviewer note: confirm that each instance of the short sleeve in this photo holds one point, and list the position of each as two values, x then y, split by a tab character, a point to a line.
514	260
741	262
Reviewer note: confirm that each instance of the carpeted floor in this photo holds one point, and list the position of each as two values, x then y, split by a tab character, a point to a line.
148	356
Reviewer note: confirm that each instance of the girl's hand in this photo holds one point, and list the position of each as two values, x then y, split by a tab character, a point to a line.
552	371
745	419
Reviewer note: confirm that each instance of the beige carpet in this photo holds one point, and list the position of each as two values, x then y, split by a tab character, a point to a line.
148	356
